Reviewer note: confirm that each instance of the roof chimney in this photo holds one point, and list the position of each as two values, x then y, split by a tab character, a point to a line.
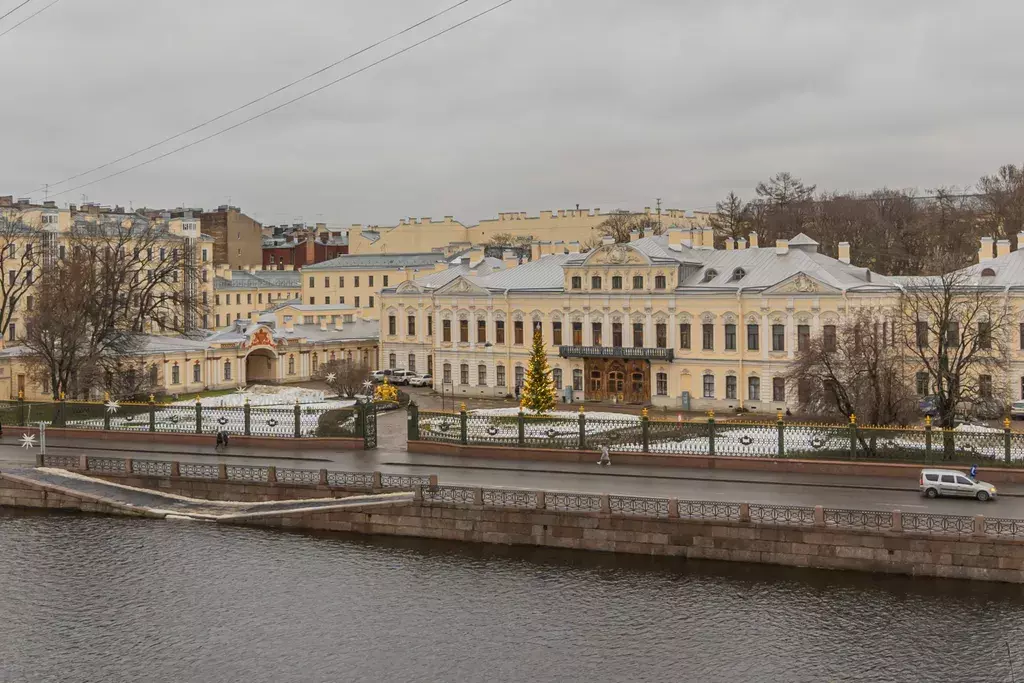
675	238
708	240
607	239
781	247
339	322
323	323
728	243
985	252
753	240
1002	247
844	252
741	243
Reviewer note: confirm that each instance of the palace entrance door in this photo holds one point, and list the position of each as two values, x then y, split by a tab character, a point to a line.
627	380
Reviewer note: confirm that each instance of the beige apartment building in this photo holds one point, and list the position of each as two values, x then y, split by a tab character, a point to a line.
245	294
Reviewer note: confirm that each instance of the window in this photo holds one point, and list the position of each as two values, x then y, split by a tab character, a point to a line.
430	323
684	335
730	337
341	280
29	301
392	361
481	376
519	376
153	374
556	333
556	377
709	386
661	383
922	333
60	252
464	333
385	280
985	334
616	282
259	298
661	335
803	391
356	302
577	380
410	325
446	376
595	334
1022	388
730	387
10	332
412	362
638	282
709	275
985	386
248	298
952	334
370	303
28	250
197	373
617	335
217	320
577	334
988	272
12	277
28	277
738	274
446	330
355	281
369	279
577	282
778	337
175	374
709	337
659	282
753	388
829	337
1022	336
595	282
538	328
481	331
948	479
922	383
227	370
803	337
312	282
638	335
517	332
500	375
499	331
778	389
291	365
596	381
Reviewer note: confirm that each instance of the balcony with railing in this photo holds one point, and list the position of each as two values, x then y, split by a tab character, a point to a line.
644	353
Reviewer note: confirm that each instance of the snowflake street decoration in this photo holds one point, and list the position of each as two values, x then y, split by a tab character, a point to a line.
28	440
368	385
240	390
331	377
112	406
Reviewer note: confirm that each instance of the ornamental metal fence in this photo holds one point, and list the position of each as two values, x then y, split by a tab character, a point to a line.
927	445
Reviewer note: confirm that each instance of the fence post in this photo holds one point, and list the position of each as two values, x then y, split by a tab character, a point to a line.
853	437
583	430
247	417
645	430
463	425
521	429
927	439
106	412
711	433
782	434
413	421
21	408
199	416
298	419
152	413
1006	439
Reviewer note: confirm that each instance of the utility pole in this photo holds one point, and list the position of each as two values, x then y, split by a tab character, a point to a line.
659	213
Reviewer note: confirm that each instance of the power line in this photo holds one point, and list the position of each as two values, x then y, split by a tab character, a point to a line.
251	102
10	12
291	101
38	11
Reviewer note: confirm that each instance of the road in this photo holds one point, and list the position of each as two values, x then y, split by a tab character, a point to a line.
866	493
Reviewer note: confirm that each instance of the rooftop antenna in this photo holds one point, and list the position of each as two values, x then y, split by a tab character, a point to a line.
659	213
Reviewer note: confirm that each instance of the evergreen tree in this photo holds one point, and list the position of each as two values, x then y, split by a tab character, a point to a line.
538	387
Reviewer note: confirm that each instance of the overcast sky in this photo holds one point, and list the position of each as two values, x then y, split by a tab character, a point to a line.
541	104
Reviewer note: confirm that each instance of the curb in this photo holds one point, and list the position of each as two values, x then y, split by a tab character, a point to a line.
156	452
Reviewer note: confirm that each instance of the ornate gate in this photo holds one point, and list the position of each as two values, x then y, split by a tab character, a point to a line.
369	417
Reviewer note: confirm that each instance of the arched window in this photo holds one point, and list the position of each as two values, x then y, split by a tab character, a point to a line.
197	373
412	362
392	359
447	376
710	274
291	364
227	370
175	374
481	375
738	274
348	356
988	272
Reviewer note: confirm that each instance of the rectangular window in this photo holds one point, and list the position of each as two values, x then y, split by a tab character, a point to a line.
617	282
481	331
659	282
312	282
662	383
370	303
709	386
709	337
595	282
985	335
369	280
828	337
464	332
500	375
410	325
430	323
638	282
412	362
556	375
385	280
803	337
327	280
392	325
341	280
922	333
356	302
778	337
984	385
753	388
577	334
248	298
216	320
922	383
778	389
312	301
638	335
517	332
556	333
577	380
12	277
355	281
446	375
684	335
538	328
595	334
661	335
259	299
519	376
29	301
10	332
730	337
617	335
953	334
446	330
464	373
577	282
481	376
499	331
730	387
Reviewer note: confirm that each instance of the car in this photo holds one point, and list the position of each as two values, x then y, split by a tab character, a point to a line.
954	484
421	381
401	376
1017	410
379	375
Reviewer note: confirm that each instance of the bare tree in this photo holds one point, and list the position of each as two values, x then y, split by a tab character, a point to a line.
731	217
345	377
1001	196
19	258
621	224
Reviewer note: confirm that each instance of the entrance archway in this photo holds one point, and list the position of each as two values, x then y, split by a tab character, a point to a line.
261	366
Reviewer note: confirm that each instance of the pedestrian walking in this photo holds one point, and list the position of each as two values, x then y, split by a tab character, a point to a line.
222	440
605	457
974	471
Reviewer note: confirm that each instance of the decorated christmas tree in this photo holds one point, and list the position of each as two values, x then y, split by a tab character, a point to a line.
538	388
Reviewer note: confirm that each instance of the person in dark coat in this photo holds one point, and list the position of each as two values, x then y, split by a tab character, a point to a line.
222	439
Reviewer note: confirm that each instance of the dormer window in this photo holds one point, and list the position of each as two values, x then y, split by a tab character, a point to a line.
738	274
709	275
988	272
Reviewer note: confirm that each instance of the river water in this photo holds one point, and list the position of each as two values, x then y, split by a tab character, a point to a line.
89	598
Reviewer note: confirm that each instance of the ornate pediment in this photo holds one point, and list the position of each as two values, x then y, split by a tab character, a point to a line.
462	286
408	287
801	283
616	255
261	336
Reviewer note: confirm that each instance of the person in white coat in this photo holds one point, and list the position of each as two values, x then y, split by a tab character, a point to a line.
605	457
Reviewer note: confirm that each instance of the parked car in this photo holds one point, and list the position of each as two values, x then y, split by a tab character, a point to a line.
421	381
954	484
1017	410
988	409
379	375
401	376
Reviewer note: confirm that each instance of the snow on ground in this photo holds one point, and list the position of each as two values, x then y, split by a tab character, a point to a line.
265	395
512	412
